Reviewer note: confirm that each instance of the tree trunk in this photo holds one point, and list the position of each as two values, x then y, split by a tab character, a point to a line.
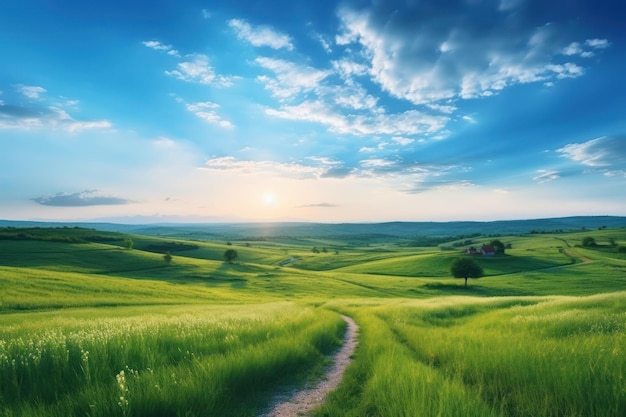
466	282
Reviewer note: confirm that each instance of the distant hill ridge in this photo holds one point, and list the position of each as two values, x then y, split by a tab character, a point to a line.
395	229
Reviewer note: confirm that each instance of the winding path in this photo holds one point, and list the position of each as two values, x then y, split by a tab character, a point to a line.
300	403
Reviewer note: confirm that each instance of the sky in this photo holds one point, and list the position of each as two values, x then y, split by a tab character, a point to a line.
320	111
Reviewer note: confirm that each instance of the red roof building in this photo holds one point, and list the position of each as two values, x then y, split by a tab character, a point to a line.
488	250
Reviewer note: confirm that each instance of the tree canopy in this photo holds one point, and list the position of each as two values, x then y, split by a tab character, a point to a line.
167	257
230	255
497	245
589	241
466	268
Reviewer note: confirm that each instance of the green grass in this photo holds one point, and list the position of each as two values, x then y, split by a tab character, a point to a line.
168	361
83	324
462	356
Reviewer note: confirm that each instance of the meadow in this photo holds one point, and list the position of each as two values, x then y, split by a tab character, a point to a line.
92	327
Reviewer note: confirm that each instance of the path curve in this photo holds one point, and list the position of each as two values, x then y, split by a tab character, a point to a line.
582	258
300	403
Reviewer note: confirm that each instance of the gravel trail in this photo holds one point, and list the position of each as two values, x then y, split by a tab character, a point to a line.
300	403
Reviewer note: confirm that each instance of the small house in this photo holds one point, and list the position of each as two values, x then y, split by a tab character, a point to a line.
487	250
472	251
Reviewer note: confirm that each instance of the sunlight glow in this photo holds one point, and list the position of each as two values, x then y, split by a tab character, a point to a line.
269	199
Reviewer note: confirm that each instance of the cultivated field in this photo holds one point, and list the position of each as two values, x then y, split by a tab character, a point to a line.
101	324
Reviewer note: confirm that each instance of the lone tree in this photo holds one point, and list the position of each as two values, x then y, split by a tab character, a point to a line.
230	255
589	242
128	243
498	246
466	268
167	257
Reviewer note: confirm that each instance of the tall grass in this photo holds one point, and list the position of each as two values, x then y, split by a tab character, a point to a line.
188	361
551	357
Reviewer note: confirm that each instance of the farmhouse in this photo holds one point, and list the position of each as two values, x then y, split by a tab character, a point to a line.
488	250
472	251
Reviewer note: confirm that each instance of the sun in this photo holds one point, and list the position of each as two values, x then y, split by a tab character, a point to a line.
269	198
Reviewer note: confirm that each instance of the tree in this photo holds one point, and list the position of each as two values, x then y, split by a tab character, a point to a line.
589	241
466	268
230	255
128	243
167	257
498	246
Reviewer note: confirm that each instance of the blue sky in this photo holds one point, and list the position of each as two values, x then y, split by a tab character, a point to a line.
329	111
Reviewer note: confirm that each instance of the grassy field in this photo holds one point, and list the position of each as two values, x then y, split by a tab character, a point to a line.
92	327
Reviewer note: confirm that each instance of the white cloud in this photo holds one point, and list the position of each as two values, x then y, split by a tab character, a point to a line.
376	163
45	117
324	160
197	69
290	79
546	175
351	96
158	46
605	151
234	166
206	111
447	109
567	70
206	14
32	92
572	49
80	199
75	126
423	62
164	143
598	43
411	122
402	141
324	42
347	68
260	35
576	49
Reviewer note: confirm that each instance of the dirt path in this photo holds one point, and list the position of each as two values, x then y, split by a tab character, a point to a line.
582	258
299	403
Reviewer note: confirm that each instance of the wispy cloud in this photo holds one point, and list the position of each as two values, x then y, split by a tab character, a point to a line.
598	43
402	141
44	116
232	165
207	111
261	35
411	122
606	154
318	205
158	46
80	199
324	41
404	176
289	79
546	175
197	69
31	91
427	61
